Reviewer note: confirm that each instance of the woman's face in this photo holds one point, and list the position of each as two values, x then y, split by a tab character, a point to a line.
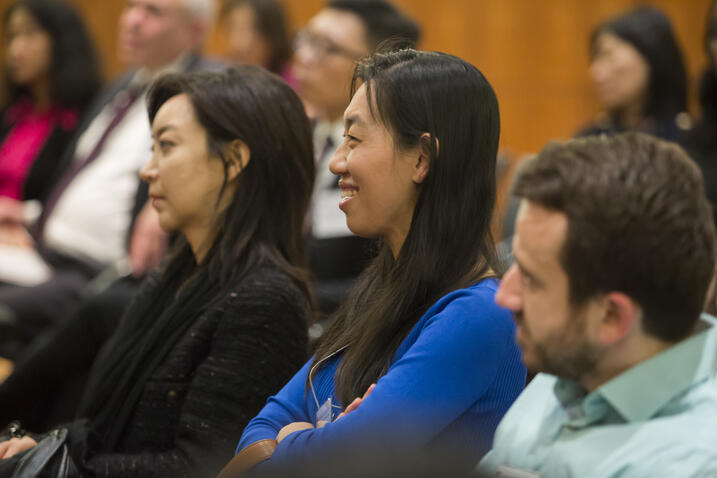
246	44
379	184
621	74
29	49
184	179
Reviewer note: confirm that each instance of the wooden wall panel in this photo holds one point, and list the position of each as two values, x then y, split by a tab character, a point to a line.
533	52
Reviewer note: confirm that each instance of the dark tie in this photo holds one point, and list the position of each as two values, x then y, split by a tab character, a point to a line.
120	105
325	157
328	147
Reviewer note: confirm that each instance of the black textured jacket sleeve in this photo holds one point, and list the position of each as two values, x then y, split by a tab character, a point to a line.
251	343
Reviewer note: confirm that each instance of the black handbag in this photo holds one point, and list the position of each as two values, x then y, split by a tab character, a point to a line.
50	458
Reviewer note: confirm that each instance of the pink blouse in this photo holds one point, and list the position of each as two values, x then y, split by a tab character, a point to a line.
25	140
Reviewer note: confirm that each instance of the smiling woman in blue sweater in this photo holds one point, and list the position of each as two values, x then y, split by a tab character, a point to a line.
419	355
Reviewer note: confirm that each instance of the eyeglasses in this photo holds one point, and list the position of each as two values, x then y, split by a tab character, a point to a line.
322	46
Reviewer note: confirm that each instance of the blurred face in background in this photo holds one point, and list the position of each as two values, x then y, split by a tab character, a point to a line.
154	33
621	74
29	49
246	43
324	58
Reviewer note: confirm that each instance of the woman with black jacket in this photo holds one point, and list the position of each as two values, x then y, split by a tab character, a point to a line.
222	324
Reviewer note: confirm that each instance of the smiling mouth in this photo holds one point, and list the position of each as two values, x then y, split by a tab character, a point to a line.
346	195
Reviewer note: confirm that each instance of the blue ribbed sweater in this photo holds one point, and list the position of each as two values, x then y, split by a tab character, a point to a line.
452	379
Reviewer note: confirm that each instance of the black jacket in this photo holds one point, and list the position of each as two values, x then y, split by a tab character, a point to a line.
196	403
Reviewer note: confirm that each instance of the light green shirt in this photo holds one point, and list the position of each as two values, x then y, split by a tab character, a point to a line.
657	419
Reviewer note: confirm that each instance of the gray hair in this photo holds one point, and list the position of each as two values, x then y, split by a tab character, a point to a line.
203	10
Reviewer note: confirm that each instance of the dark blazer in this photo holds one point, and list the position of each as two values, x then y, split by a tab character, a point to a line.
701	141
217	377
196	403
46	167
664	128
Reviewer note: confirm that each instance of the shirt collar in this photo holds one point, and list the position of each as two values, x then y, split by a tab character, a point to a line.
143	77
640	392
572	397
324	130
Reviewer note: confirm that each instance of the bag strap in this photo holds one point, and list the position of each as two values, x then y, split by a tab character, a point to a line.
247	458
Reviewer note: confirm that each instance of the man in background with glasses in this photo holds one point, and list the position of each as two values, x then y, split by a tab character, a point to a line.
325	53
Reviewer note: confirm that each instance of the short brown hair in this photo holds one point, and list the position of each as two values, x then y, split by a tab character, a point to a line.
638	223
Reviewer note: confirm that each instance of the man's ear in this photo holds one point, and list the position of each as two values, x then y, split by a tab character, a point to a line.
239	156
423	162
622	314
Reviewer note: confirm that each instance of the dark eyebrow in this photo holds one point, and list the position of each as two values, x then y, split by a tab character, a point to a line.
164	129
527	272
352	120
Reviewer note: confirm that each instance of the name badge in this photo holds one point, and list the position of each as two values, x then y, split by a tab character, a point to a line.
324	413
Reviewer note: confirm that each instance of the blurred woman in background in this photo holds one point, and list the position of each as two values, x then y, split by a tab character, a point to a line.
51	74
259	35
639	74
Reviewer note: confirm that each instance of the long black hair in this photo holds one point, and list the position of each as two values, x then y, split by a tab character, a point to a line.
272	24
649	30
75	70
261	227
278	135
449	244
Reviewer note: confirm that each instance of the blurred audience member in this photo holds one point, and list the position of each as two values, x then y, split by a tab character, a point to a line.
701	141
639	74
89	213
641	82
51	75
419	356
259	35
326	51
222	324
614	252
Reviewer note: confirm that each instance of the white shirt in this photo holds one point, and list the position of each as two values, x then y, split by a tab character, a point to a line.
92	217
328	221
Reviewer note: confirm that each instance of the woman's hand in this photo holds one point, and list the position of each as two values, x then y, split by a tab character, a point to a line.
11	211
298	426
15	445
357	401
291	428
148	242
